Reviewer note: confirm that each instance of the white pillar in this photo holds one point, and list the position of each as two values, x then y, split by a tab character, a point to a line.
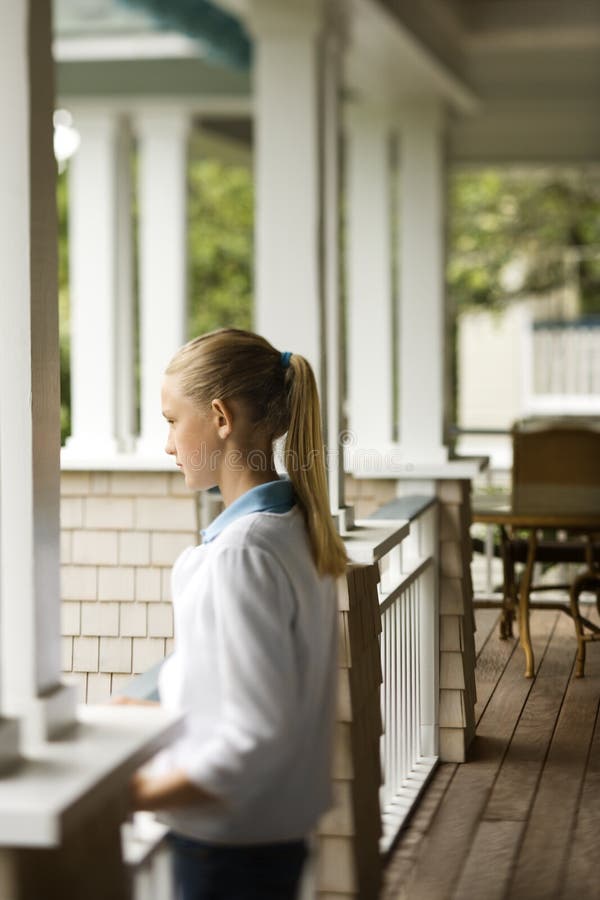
29	379
101	283
289	245
421	261
334	321
94	266
369	278
14	264
125	305
162	188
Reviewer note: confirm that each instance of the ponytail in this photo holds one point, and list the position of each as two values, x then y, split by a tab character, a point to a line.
304	458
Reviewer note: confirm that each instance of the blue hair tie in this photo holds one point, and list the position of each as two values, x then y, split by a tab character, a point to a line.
285	359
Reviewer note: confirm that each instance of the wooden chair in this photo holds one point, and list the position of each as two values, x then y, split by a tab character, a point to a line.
556	461
556	465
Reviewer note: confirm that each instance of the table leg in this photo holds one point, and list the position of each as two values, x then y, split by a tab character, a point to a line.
525	587
576	587
508	599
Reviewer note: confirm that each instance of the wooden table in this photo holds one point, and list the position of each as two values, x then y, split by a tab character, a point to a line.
539	507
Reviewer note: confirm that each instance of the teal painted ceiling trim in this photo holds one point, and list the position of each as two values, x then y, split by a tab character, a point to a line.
223	37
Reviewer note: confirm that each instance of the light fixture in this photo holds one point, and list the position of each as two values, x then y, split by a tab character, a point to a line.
66	137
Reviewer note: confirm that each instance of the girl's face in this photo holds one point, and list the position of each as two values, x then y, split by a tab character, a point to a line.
195	438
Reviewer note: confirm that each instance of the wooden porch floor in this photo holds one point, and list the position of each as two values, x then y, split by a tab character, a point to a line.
521	819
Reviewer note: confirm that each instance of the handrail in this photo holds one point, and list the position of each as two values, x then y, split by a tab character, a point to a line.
406	581
409	647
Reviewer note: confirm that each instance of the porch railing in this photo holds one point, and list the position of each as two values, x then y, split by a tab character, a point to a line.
409	655
409	694
145	849
147	854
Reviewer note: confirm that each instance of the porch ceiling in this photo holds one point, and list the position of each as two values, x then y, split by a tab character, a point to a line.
186	78
521	78
389	63
533	64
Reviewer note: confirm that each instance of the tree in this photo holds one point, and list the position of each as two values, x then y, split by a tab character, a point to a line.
523	232
220	229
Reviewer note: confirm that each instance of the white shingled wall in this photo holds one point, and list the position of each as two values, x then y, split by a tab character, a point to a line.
120	534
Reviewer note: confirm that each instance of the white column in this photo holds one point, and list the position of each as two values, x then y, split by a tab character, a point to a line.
93	268
101	284
125	303
29	379
369	278
289	244
421	260
14	264
334	321
162	187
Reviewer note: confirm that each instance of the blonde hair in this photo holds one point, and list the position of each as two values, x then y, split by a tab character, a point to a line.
235	364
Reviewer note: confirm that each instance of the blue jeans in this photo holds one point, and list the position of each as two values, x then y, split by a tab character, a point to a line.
252	872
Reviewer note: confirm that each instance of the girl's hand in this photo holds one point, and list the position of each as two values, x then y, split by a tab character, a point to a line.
142	791
165	791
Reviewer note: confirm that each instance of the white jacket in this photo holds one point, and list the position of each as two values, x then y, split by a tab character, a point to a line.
254	669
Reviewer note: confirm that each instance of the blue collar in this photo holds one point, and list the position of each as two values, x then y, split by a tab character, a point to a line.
273	497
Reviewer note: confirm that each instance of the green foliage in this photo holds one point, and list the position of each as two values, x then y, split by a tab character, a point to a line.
220	229
545	224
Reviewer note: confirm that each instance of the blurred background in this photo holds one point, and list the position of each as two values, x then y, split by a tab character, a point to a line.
522	233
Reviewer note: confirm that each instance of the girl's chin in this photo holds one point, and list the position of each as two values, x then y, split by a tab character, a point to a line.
197	484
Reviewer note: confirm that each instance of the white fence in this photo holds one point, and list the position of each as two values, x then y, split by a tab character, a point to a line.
148	857
409	655
563	374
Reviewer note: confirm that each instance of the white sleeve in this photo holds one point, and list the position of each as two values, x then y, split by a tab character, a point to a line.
253	608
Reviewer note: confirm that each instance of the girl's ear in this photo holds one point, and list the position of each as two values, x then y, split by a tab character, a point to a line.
222	417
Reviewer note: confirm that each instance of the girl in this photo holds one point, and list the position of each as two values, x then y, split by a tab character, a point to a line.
254	666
